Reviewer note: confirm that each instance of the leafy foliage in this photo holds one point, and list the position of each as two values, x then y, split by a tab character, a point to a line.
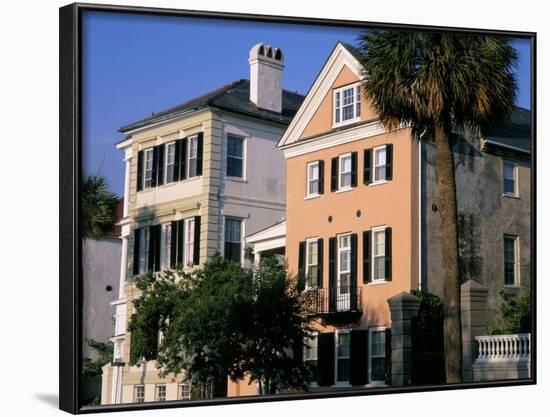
98	205
92	368
428	78
221	320
516	313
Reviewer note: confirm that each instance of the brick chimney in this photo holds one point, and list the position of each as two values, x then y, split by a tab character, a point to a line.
266	77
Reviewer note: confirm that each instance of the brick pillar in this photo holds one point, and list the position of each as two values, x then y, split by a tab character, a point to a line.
473	314
404	307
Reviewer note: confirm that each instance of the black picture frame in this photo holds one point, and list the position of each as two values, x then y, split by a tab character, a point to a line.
70	154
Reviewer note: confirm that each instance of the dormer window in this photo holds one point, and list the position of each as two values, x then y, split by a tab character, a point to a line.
347	104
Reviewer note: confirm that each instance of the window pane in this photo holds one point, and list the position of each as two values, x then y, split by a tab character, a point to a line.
234	167
234	146
189	240
379	268
343	344
313	187
348	96
343	370
166	244
170	159
508	170
378	369
313	171
193	147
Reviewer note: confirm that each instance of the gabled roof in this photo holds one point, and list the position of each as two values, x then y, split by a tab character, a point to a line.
342	55
516	133
233	97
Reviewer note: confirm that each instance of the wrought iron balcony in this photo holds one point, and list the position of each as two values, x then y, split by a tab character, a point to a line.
335	302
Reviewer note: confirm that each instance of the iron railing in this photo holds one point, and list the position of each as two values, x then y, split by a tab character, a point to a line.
334	300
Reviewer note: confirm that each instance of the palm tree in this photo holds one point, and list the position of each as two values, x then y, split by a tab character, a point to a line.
98	207
435	83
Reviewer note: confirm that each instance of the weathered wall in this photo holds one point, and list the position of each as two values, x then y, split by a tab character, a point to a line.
484	216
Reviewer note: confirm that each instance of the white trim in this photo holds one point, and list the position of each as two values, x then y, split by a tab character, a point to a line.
515	171
308	179
170	119
338	59
308	241
383	180
340	90
244	139
502	145
369	360
314	334
375	230
242	239
340	172
145	153
332	139
165	170
188	162
188	255
337	333
517	277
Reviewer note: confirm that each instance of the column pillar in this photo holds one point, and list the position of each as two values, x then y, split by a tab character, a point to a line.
403	307
473	315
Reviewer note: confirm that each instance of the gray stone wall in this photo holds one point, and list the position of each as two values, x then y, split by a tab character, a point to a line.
101	268
484	216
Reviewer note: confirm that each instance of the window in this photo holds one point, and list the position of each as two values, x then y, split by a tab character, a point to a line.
511	260
184	392
380	164
160	393
144	250
166	245
139	393
344	273
345	171
235	156
377	351
232	248
379	255
313	178
192	152
347	104
312	261
509	174
170	161
342	357
148	168
189	241
310	352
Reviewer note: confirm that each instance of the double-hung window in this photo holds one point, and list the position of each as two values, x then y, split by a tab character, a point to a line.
184	392
148	168
510	180
232	235
379	254
235	156
311	352
312	262
313	178
344	273
143	250
380	164
170	159
160	392
511	257
193	153
347	104
377	353
166	245
189	241
139	393
344	177
343	340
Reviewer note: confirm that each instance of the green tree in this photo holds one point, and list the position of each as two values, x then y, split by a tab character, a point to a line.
437	82
98	207
221	320
91	368
516	312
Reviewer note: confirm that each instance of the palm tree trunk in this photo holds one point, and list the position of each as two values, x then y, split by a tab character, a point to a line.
452	329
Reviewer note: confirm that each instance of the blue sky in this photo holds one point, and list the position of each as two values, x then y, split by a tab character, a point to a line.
134	65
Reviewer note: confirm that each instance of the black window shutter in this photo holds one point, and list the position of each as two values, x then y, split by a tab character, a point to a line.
301	265
200	144
160	165
321	176
389	161
353	272
136	251
153	257
354	169
325	358
358	357
197	241
332	273
177	146
154	173
183	159
388	356
320	247
334	174
181	234
387	257
367	171
173	244
140	171
367	256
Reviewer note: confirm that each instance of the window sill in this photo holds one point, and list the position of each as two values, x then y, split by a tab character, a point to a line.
376	384
374	184
380	282
236	179
312	196
341	385
347	122
511	286
343	190
515	196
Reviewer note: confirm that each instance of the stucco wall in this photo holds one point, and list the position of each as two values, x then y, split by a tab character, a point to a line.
100	267
484	216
